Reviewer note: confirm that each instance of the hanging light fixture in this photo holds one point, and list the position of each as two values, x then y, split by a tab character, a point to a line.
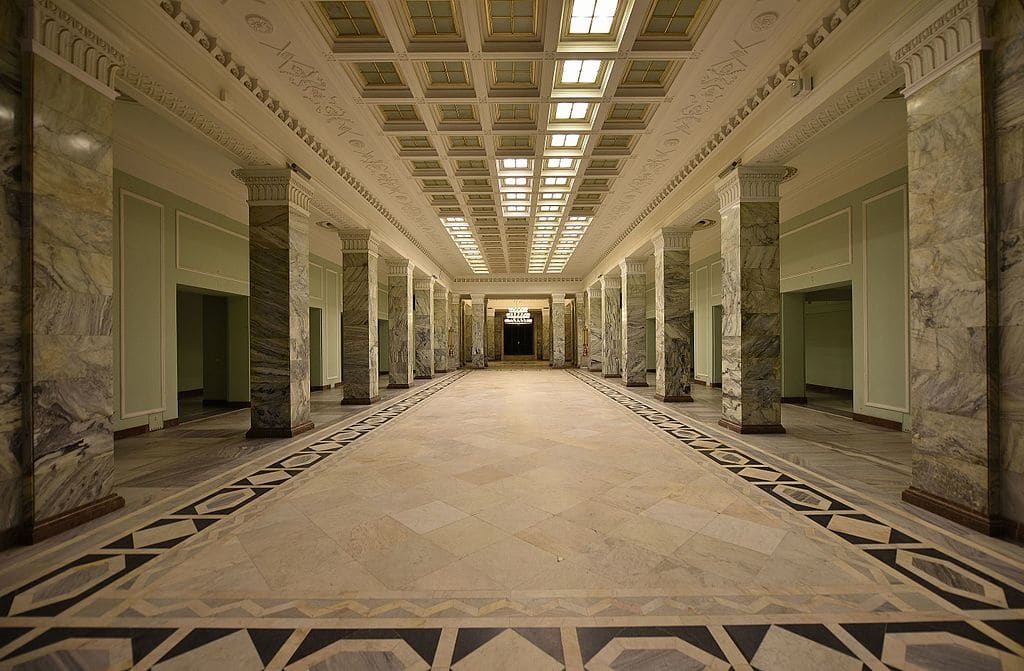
518	315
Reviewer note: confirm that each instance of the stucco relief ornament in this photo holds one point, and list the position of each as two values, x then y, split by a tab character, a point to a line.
259	24
763	22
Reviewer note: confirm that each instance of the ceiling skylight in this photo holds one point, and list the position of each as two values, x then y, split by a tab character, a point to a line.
592	17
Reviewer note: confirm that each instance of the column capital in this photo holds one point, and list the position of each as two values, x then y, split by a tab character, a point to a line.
751	184
477	298
422	283
557	297
399	267
611	282
633	265
356	240
594	288
580	296
672	239
276	186
59	37
952	31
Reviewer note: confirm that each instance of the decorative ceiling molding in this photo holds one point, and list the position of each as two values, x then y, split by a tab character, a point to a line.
192	27
772	82
514	279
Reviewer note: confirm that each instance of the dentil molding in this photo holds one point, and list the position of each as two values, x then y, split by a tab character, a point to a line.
751	184
276	186
668	239
71	45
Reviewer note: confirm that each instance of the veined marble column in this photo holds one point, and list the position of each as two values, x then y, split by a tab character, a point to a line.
454	332
278	301
466	329
400	324
360	368
478	312
423	290
595	328
440	329
611	325
489	326
581	358
545	333
57	232
634	322
499	334
751	324
956	290
558	330
672	315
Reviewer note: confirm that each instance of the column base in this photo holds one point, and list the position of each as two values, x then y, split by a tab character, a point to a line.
989	525
751	428
682	398
278	431
612	375
399	385
423	377
43	529
440	371
360	401
594	370
636	384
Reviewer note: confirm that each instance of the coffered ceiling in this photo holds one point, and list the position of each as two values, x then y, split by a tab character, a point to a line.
504	138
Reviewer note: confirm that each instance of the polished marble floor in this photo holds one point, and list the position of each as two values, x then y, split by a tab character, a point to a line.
519	518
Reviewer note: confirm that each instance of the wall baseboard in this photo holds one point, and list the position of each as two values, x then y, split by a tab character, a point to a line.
878	421
990	525
800	400
190	393
846	393
52	526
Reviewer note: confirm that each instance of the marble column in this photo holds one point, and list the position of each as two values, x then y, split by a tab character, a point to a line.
440	329
581	358
499	334
751	324
401	338
558	330
454	332
595	328
57	265
423	313
489	325
634	322
360	368
278	301
954	265
672	315
479	315
545	333
466	329
611	325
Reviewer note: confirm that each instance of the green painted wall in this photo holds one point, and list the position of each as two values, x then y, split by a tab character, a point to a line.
857	239
162	241
828	343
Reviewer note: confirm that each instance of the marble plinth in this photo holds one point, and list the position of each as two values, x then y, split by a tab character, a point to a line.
423	314
558	330
672	316
400	323
441	325
360	368
611	326
634	322
278	301
478	317
595	328
751	325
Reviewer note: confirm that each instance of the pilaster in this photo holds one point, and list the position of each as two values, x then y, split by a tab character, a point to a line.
478	315
401	335
595	328
672	315
360	368
423	313
582	358
611	325
634	321
440	329
558	330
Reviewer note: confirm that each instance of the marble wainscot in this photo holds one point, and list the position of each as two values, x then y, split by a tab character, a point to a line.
360	368
672	315
400	323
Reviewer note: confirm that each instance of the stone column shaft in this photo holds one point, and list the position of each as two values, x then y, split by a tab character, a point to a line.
634	322
489	326
454	332
581	358
278	301
400	323
499	334
360	368
441	325
611	326
545	333
423	292
595	328
672	315
558	330
751	324
479	316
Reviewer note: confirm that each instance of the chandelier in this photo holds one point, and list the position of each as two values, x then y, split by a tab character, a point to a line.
518	316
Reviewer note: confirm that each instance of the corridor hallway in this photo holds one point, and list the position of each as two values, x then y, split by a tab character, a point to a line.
524	519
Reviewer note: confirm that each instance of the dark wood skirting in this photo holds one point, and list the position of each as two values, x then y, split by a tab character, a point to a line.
878	421
715	385
190	393
221	403
174	421
319	387
279	432
636	384
1014	530
700	382
987	524
399	385
423	377
131	431
829	390
674	399
338	385
360	401
801	400
751	428
43	529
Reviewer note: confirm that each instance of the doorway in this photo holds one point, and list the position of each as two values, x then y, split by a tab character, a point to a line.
828	350
518	339
716	346
212	353
316	349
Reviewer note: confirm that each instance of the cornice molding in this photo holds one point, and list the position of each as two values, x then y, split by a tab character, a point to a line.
952	32
515	279
276	186
67	42
668	239
399	267
191	26
773	81
751	184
